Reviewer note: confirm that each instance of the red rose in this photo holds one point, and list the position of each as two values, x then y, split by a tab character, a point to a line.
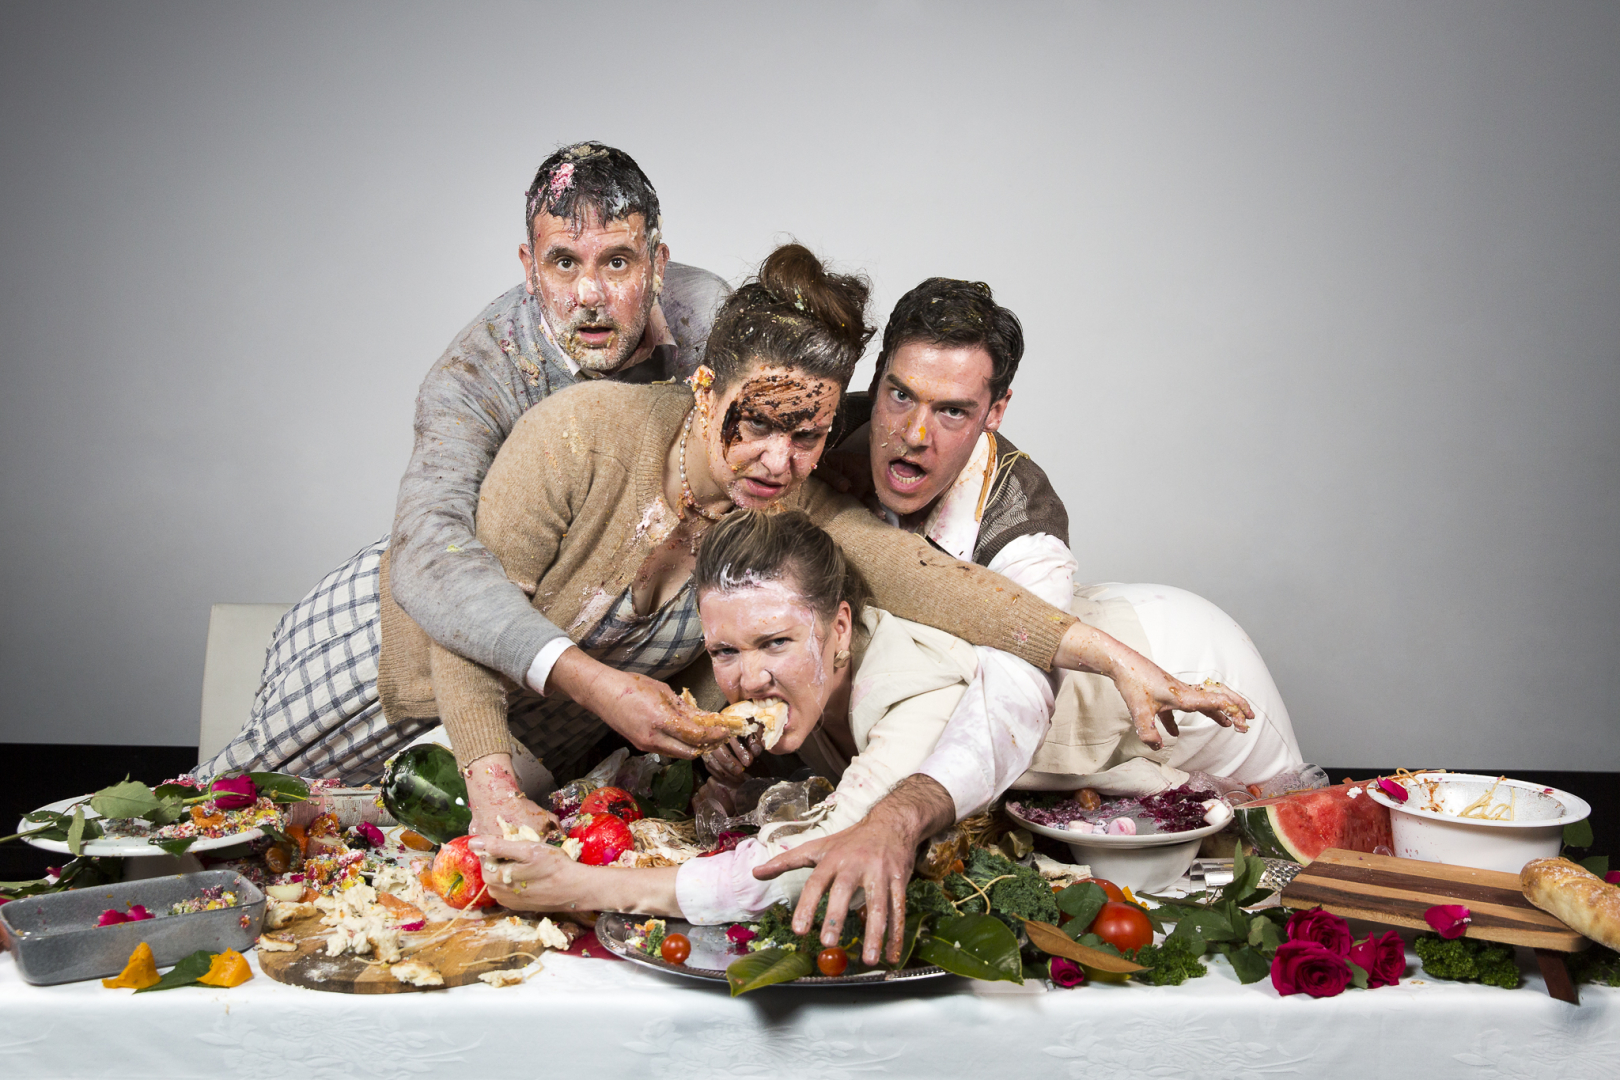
1322	927
1382	957
1304	967
234	792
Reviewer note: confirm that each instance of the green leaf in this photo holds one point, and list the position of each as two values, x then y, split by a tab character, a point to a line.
1265	935
977	946
177	846
1248	962
1081	902
185	973
1578	834
1358	975
280	787
672	787
1598	864
176	791
169	809
75	833
126	799
765	967
1186	932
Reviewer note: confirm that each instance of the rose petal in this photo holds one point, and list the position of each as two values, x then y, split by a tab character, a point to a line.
137	912
1065	972
413	926
1448	920
1612	877
1392	789
112	918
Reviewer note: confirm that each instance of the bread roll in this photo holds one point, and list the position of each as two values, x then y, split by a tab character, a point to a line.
1585	902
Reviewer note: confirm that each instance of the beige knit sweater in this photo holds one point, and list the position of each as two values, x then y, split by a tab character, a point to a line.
571	507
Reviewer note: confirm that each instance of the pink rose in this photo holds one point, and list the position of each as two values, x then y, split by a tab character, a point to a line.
1065	972
1322	927
1448	920
1392	789
1612	877
1382	957
112	918
1304	967
234	792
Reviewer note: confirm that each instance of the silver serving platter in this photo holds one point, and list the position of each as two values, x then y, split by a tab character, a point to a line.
55	938
712	953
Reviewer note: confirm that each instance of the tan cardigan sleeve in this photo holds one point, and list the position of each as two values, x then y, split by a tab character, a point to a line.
525	507
913	579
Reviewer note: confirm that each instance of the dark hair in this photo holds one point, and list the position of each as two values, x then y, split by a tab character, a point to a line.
590	178
750	546
945	311
795	313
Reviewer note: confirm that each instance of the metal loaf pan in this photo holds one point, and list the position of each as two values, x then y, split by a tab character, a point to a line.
55	937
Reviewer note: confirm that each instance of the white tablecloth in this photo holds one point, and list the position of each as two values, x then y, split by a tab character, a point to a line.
587	1019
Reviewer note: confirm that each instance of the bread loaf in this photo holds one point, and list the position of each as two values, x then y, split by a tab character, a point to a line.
1585	902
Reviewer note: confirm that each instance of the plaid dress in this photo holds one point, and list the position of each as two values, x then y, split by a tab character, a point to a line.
317	712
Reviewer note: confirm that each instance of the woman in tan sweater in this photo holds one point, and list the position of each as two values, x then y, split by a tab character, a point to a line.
597	502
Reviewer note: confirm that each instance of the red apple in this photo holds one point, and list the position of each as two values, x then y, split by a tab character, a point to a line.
603	838
458	877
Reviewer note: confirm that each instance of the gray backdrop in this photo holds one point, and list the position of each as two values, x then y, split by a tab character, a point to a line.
1321	304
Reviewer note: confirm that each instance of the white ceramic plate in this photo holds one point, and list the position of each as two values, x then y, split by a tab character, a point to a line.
712	953
123	847
1108	841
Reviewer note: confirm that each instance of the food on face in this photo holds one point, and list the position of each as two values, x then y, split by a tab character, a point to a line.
1585	902
832	961
458	877
675	948
1303	824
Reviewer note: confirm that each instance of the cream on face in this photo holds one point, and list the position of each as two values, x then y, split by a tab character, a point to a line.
766	433
596	286
766	642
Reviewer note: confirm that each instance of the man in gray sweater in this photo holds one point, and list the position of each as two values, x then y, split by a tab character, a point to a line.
599	299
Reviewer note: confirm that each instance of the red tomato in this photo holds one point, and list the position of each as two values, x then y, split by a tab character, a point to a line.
458	877
611	800
603	838
832	960
675	949
1112	891
1124	926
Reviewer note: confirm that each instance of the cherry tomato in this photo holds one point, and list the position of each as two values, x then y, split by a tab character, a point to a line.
1112	891
832	960
675	949
1124	926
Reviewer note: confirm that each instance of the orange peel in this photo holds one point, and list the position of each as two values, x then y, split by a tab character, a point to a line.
227	969
139	973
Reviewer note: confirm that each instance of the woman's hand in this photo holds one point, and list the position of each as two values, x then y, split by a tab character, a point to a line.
526	876
1150	692
730	762
493	795
643	710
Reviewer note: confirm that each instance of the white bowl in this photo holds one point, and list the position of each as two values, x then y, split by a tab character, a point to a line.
1429	825
1149	863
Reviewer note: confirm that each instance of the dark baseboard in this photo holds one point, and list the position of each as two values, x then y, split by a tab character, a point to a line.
37	773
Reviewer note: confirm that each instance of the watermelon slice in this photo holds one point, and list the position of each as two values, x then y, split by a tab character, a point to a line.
1303	824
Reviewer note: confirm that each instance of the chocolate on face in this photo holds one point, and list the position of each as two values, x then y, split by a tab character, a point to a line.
779	402
771	433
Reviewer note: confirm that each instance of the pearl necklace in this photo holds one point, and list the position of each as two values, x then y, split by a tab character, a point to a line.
687	497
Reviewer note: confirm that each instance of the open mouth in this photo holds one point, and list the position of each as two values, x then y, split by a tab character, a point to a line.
594	335
906	475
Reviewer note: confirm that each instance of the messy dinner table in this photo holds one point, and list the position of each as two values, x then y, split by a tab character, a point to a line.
595	1017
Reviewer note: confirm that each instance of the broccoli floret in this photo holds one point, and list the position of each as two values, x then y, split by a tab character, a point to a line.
1596	965
1467	960
775	929
924	897
1017	893
1170	964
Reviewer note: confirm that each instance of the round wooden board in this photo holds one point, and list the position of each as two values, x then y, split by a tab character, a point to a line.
460	956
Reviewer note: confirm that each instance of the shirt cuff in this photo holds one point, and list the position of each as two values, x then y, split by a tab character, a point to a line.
544	661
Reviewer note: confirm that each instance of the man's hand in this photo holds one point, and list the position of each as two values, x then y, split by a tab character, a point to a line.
730	762
493	795
643	710
876	856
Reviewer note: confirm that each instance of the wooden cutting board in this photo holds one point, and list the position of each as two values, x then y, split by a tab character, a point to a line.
460	956
1396	892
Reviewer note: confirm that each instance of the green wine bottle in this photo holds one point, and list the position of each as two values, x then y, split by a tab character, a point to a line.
424	791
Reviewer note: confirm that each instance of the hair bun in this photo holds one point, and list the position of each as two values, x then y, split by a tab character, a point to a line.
795	277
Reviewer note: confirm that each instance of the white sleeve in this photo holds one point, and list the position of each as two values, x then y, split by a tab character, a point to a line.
544	661
991	737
